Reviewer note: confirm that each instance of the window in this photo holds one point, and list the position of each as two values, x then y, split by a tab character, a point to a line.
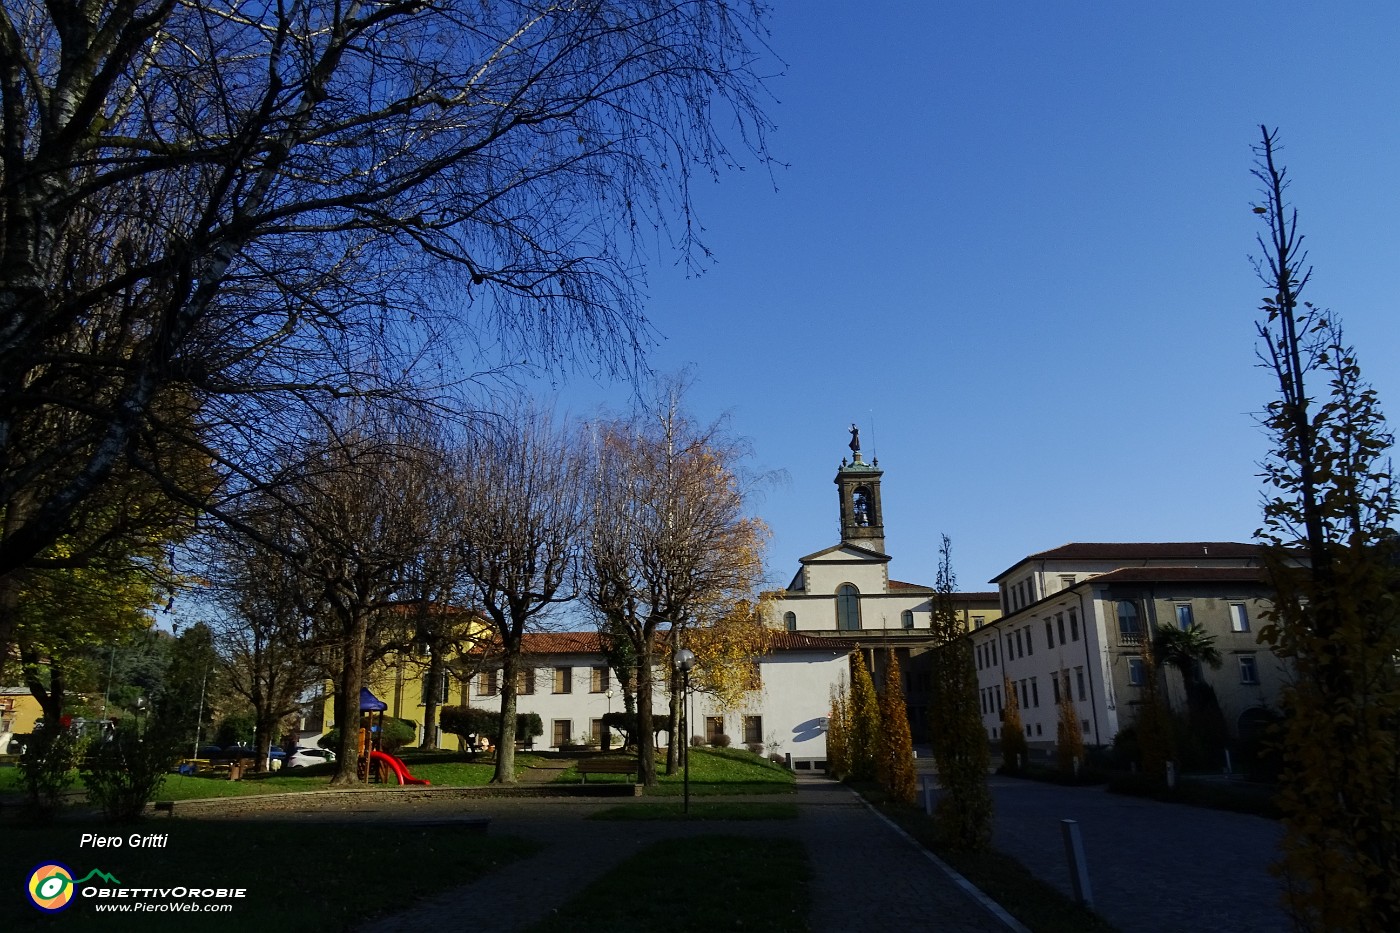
525	682
1020	647
998	694
1129	632
598	681
753	677
1060	624
1030	648
1137	674
1028	728
714	728
1035	693
1025	696
562	729
595	731
1055	688
860	503
753	730
1249	671
1184	619
790	621
1239	618
488	683
1079	678
1037	729
1010	648
982	695
1049	634
444	689
1066	580
1074	625
979	621
906	618
994	652
563	680
847	608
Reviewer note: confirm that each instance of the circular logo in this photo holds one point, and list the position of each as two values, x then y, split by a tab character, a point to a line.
51	887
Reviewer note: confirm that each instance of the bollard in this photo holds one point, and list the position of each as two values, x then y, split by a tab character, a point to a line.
788	756
926	785
1228	770
1171	775
1078	867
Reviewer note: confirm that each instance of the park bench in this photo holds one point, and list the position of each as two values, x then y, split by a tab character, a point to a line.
606	766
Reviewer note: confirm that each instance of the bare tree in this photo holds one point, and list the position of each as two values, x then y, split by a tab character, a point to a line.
265	639
350	514
670	545
252	209
520	529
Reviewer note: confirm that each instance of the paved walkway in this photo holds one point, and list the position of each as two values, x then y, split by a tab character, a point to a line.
1154	867
865	874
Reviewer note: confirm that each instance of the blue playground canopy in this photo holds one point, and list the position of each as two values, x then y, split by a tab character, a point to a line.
369	703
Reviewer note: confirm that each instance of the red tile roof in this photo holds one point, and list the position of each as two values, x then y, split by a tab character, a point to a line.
1180	575
797	641
1144	550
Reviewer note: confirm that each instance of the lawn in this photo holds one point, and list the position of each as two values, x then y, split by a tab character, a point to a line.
446	769
298	876
696	885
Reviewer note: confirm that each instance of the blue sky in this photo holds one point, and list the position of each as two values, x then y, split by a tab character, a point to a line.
1013	244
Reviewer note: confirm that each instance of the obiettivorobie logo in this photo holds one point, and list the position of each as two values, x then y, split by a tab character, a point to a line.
52	886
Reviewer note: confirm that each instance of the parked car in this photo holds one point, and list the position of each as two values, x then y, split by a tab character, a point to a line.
305	757
234	752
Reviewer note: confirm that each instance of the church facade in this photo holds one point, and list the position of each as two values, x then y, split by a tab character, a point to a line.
845	591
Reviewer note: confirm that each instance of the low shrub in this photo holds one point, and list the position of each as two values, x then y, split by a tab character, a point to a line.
720	741
47	768
124	771
755	747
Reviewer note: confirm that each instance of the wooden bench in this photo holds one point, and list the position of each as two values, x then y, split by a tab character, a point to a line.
607	766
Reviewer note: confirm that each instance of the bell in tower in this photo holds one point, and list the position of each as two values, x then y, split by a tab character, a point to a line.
858	485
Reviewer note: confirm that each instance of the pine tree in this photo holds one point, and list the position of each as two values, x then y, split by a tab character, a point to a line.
1014	749
838	733
896	763
1069	737
865	722
964	815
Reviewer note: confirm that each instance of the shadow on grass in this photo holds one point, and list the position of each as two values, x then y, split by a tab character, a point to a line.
699	810
695	885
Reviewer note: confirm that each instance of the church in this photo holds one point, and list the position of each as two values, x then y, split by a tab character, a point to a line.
845	591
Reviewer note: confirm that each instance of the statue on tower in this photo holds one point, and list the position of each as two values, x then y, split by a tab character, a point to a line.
855	440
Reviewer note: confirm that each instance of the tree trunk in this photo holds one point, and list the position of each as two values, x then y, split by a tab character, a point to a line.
673	722
430	702
505	733
646	737
347	703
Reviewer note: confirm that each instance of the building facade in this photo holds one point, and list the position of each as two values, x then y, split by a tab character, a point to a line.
1077	618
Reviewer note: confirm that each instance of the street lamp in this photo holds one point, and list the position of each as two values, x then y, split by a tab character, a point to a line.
140	711
685	660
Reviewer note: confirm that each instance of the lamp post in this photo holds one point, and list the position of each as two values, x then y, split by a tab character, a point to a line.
685	660
140	711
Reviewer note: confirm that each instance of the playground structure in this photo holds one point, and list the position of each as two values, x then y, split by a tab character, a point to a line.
374	762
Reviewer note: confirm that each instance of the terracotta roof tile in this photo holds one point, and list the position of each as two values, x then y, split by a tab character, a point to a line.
1144	550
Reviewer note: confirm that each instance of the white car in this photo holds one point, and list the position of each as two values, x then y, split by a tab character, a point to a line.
306	757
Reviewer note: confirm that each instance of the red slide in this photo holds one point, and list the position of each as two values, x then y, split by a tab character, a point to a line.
397	767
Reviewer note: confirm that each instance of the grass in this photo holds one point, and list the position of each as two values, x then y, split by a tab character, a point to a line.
1040	906
695	885
699	810
298	876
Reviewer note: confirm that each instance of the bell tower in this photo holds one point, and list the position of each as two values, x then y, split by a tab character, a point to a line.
858	485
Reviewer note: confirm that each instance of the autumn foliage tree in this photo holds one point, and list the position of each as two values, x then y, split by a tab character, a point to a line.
1014	749
1334	563
838	733
865	724
896	746
964	814
1069	735
670	546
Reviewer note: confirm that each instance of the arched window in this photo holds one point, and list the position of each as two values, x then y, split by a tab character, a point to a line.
847	608
790	621
1129	632
860	499
906	618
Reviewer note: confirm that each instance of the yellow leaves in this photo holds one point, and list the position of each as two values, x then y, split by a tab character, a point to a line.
727	653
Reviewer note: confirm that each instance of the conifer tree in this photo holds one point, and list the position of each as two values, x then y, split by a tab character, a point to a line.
1069	737
1153	722
865	722
838	733
896	745
964	814
1014	750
